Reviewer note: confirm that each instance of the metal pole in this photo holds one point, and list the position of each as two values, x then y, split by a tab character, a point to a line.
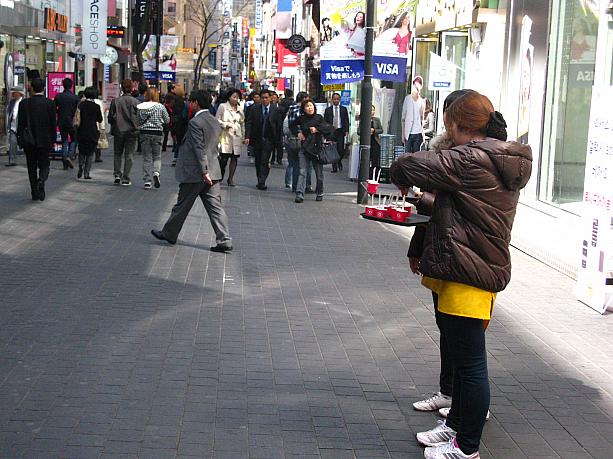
366	103
159	21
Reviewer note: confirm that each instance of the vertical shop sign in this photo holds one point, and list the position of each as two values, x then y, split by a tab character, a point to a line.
258	15
595	275
94	27
285	58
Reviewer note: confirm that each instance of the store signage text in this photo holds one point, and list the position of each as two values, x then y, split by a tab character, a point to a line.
55	22
115	31
94	27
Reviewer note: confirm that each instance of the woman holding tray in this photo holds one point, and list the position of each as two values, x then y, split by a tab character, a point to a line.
466	258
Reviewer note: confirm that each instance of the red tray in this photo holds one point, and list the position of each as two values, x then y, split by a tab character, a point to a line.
413	220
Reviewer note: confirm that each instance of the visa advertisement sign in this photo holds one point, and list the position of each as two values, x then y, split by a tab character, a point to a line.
388	68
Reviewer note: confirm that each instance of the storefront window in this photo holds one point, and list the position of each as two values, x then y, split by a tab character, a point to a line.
573	34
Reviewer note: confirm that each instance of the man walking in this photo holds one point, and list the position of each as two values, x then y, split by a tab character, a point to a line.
338	116
66	104
12	112
199	175
124	127
36	130
260	132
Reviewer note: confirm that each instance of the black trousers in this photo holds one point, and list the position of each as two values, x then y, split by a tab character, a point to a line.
262	150
277	154
446	376
375	158
339	138
38	166
413	143
465	339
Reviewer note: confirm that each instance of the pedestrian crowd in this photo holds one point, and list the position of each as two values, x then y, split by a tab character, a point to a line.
469	179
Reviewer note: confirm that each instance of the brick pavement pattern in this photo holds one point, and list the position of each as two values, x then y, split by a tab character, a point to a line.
311	339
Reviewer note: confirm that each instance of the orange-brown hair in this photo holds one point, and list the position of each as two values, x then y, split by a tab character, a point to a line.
153	95
470	112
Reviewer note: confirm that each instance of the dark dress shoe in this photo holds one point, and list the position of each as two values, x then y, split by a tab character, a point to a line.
35	197
69	163
97	160
221	249
334	171
159	235
88	177
319	198
40	189
340	166
262	187
80	173
10	164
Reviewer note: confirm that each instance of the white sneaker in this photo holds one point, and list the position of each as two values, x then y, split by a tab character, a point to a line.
438	436
147	185
448	451
444	412
436	402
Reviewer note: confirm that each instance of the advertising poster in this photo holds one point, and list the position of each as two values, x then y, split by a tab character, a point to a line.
54	83
149	54
343	39
526	66
286	59
169	45
393	45
595	274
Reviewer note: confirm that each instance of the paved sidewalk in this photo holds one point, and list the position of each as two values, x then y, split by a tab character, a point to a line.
311	339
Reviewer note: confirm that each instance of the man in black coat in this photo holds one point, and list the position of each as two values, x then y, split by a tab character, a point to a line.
338	116
66	104
261	132
36	135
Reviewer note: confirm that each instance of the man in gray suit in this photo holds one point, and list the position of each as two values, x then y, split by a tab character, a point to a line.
199	174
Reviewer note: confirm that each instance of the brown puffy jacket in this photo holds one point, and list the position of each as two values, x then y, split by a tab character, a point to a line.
477	187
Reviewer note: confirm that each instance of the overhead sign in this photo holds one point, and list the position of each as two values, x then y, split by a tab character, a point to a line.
342	71
259	13
94	27
55	22
334	87
296	43
595	275
389	68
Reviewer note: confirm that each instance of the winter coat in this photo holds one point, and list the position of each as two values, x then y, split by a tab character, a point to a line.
477	190
233	125
122	115
152	117
312	143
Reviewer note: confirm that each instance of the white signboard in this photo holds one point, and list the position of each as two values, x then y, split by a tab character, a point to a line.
94	27
595	275
259	12
442	74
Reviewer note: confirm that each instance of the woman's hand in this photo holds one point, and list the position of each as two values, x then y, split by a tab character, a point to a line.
301	136
414	265
313	129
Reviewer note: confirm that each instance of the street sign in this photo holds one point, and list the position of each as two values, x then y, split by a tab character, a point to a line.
296	44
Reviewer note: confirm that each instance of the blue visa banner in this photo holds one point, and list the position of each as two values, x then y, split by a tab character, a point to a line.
388	68
342	71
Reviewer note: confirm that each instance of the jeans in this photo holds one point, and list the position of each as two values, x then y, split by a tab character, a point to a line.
124	146
446	376
69	148
13	147
292	170
413	143
86	155
152	155
304	165
465	339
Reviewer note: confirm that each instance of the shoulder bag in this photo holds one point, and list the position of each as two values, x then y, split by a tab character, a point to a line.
329	153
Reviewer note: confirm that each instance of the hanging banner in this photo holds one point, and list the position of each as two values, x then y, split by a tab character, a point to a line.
282	20
393	45
93	28
285	58
595	275
343	39
169	45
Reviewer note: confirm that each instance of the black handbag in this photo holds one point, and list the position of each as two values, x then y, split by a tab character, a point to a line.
329	153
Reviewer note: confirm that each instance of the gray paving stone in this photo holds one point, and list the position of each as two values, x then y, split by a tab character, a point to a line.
310	340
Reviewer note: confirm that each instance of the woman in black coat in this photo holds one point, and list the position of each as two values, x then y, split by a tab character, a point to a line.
310	128
87	131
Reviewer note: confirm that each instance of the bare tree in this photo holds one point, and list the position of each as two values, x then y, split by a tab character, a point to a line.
202	13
